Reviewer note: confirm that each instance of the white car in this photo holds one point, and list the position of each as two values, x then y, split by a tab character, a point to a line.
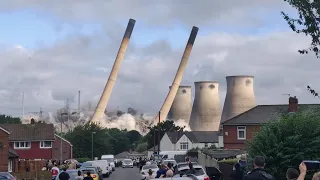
105	166
127	163
145	169
200	173
110	159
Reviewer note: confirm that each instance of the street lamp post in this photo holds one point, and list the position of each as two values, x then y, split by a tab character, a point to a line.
159	133
92	144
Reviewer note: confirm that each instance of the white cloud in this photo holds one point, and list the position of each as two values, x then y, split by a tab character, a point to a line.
82	62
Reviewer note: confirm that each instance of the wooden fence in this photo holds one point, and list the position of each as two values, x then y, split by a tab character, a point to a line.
34	175
31	165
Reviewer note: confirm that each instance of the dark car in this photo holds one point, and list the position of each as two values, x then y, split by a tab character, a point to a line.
73	173
6	176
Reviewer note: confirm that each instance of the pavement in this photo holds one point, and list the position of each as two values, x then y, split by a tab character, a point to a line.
125	174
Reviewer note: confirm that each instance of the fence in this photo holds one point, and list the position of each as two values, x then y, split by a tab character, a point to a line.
35	175
31	165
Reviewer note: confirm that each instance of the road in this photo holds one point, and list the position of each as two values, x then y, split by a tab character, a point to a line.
124	174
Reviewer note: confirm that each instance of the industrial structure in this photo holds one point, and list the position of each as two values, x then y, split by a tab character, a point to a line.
162	115
182	104
103	102
240	96
206	109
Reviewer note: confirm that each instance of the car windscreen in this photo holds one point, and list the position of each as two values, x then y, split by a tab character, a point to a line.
198	171
151	166
185	164
108	159
127	161
85	164
92	171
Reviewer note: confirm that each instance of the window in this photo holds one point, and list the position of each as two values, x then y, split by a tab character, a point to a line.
206	145
45	144
22	145
241	132
10	164
184	146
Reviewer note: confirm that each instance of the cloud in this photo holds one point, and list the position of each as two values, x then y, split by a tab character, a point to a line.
50	74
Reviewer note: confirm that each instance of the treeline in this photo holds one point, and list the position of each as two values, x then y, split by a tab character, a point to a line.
9	119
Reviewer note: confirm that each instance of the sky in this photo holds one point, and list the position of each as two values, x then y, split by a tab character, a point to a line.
52	49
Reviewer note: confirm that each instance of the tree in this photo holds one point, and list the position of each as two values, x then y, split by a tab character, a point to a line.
308	22
9	120
165	126
287	141
142	147
134	136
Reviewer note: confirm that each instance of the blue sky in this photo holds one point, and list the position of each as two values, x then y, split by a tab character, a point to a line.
30	30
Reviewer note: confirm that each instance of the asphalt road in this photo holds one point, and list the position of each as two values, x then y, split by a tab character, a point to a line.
125	174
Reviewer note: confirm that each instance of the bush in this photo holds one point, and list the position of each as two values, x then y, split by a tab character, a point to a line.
229	161
285	143
81	160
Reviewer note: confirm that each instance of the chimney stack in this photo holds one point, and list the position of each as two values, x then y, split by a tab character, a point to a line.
293	104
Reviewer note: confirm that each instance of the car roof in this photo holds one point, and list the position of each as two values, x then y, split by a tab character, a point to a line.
186	167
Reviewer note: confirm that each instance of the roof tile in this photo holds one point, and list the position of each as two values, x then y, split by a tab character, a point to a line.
30	132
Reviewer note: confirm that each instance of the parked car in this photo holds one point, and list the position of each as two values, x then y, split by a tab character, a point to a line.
110	159
6	176
73	173
185	177
127	163
94	172
167	161
104	165
200	173
145	169
182	164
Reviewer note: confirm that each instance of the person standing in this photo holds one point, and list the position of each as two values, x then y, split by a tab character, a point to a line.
258	173
64	175
54	171
88	177
79	177
237	173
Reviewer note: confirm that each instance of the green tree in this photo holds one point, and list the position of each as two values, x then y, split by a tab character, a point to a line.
134	136
307	22
165	126
142	147
287	141
9	120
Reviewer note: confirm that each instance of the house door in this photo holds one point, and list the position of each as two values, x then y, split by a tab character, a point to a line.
10	165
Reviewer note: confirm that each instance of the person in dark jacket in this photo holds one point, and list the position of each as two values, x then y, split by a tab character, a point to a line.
258	173
292	174
237	173
191	169
161	173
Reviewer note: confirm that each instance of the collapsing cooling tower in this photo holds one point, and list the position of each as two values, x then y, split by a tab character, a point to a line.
182	105
102	105
206	109
177	80
240	96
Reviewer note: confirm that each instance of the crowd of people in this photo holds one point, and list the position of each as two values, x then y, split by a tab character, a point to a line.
259	172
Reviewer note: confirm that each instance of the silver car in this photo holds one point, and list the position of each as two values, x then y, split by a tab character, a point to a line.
200	173
127	163
145	171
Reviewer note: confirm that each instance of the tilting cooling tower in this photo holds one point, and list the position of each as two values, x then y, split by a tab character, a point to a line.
102	105
206	109
182	104
240	96
177	80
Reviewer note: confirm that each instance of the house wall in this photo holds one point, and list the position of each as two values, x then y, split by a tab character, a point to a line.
4	151
230	136
34	152
66	149
166	144
184	139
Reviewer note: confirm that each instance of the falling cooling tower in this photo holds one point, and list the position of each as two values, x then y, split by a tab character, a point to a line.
102	105
240	96
177	80
206	109
182	105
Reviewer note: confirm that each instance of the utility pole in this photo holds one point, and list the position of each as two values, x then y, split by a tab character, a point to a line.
40	114
22	106
61	143
68	110
79	102
159	134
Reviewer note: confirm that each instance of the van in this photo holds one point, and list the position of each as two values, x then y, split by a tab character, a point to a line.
110	159
171	154
104	165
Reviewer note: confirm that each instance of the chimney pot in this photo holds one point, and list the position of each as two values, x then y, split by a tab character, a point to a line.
293	104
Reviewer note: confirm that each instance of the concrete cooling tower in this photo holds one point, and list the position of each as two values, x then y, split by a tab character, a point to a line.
182	104
240	96
206	109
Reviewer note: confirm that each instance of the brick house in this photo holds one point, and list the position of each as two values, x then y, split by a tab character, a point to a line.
239	129
8	157
37	141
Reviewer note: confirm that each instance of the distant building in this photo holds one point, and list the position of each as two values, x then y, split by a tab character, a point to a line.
183	141
239	129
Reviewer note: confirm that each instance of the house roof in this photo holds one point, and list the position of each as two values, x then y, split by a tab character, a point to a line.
13	154
4	130
30	132
263	114
64	139
195	136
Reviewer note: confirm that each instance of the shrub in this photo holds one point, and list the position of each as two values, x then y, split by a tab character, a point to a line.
81	160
